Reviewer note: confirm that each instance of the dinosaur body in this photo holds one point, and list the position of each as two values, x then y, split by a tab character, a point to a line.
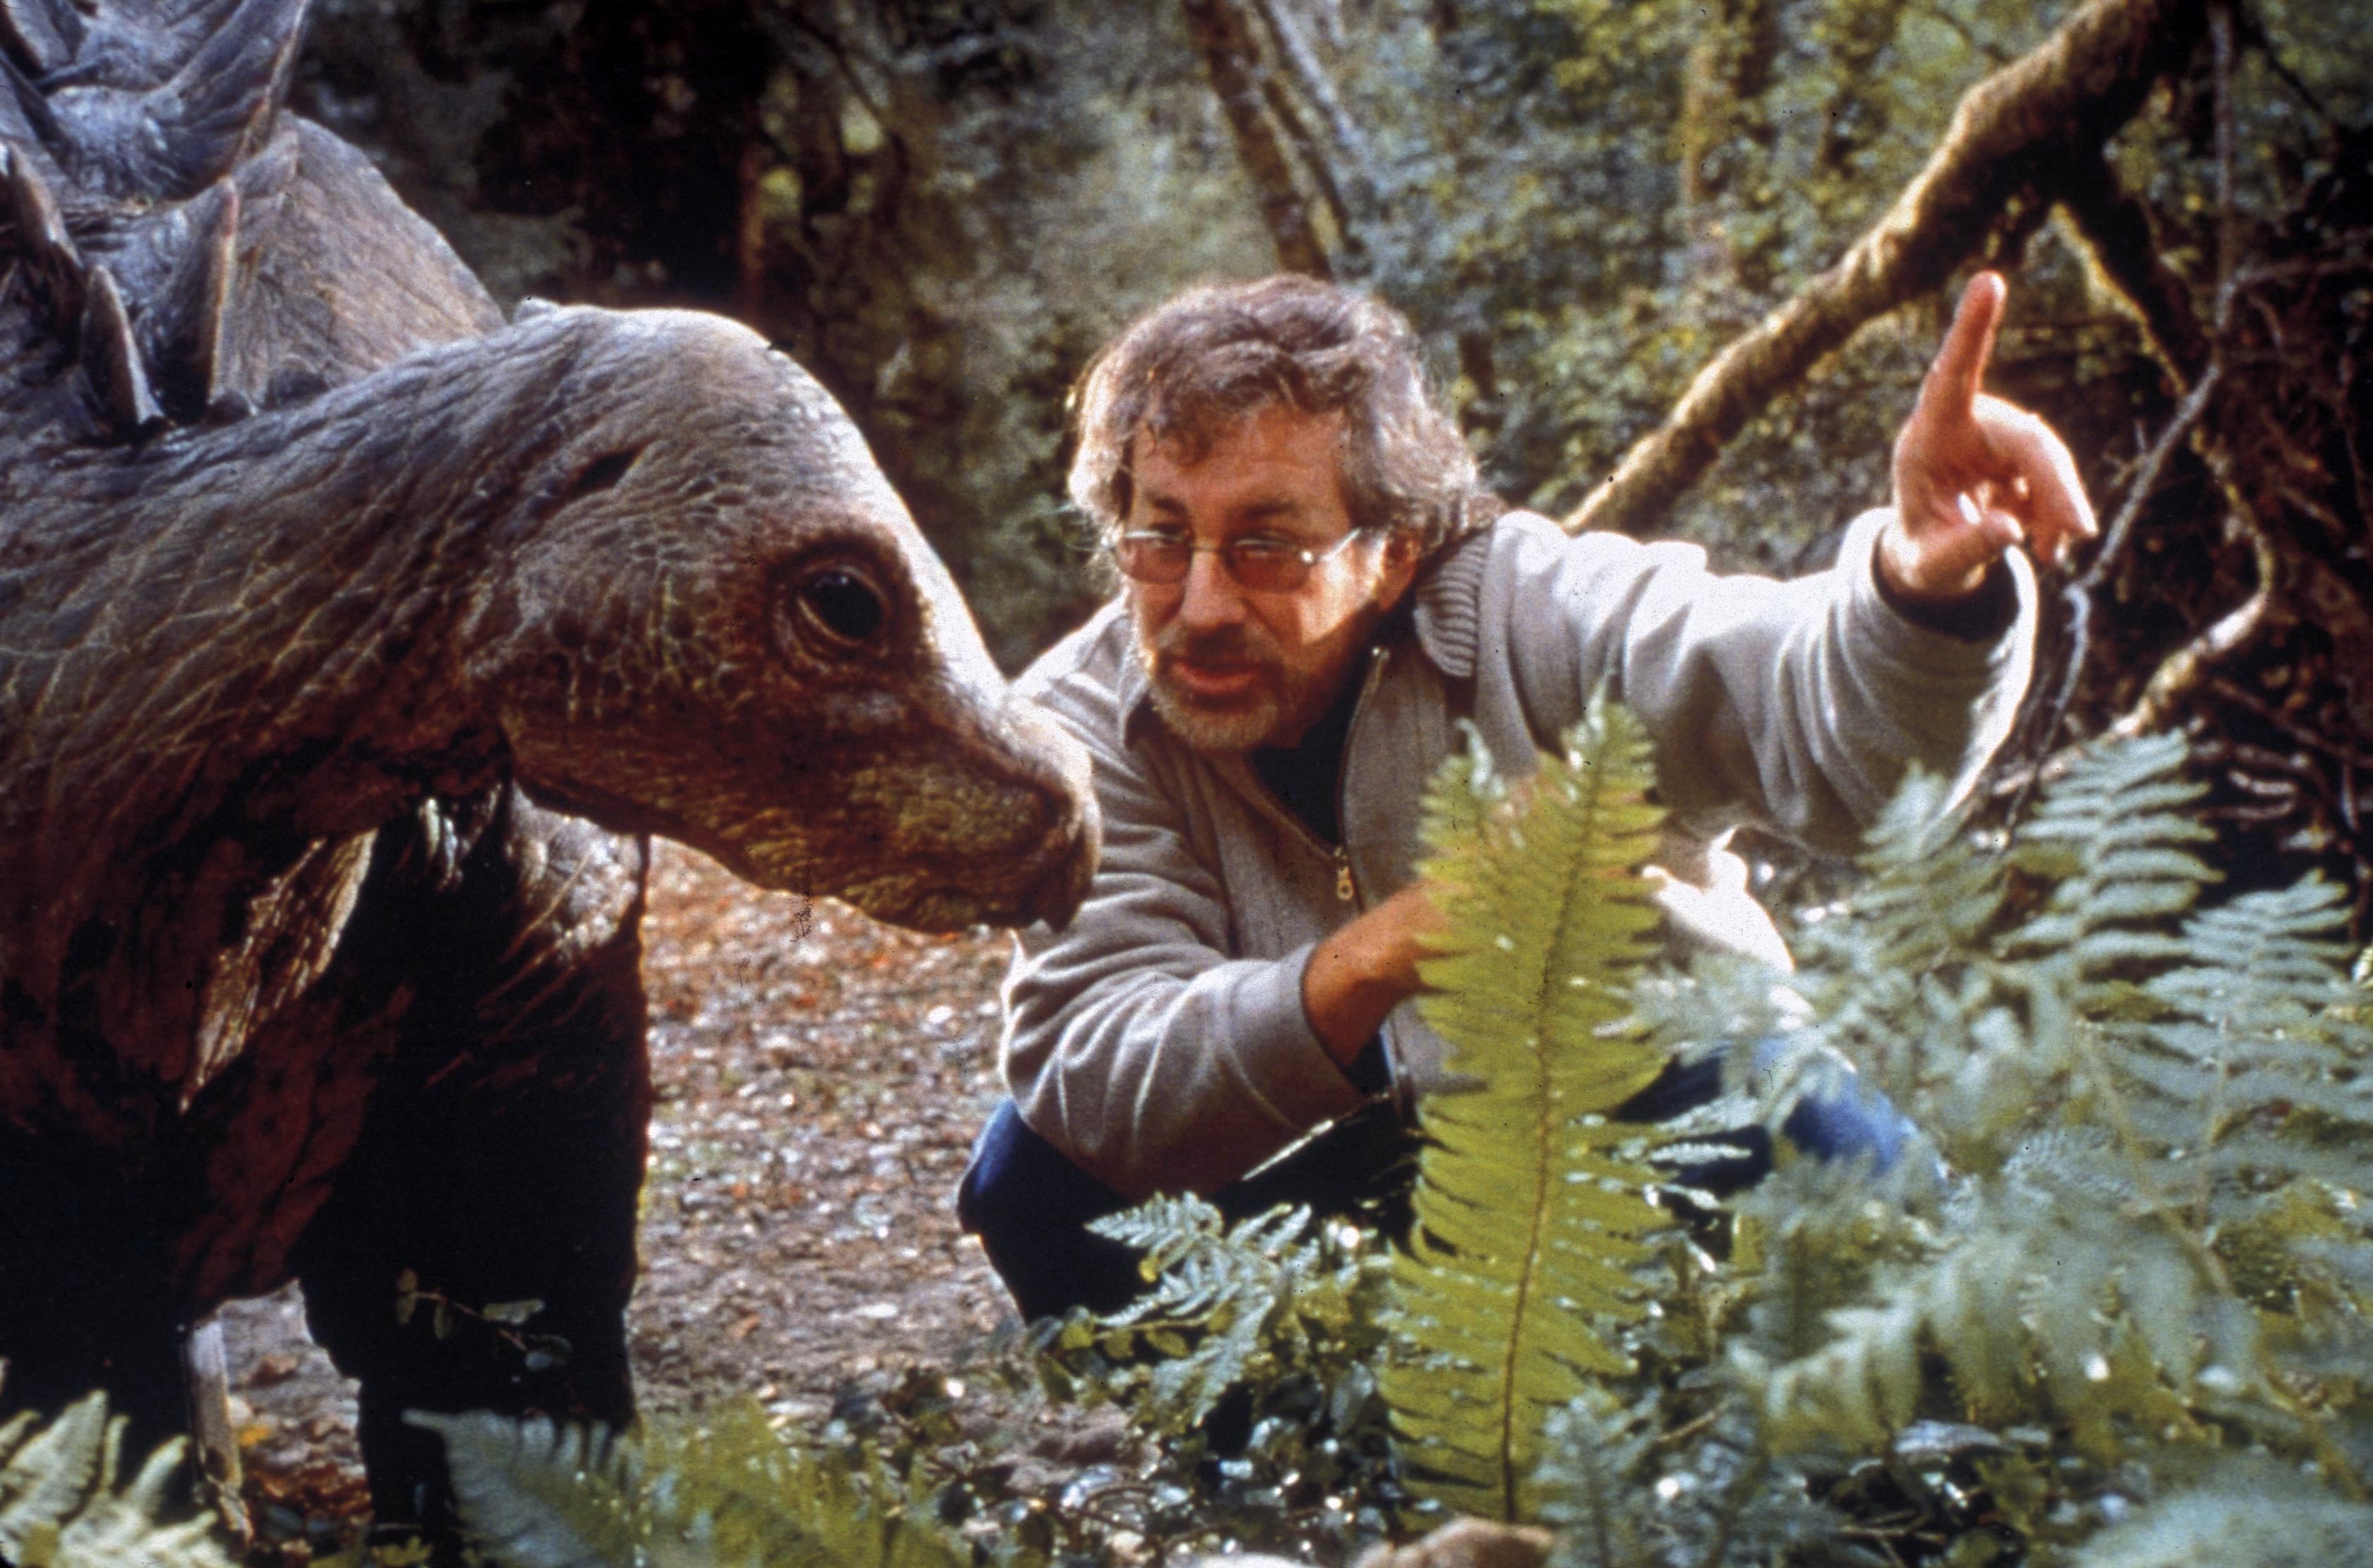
349	636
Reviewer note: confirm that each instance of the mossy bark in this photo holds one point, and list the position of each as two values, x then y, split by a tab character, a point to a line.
2012	136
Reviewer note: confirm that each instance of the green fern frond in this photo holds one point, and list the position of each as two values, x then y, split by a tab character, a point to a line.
2147	1096
1958	989
2249	1033
1891	977
2074	1316
1530	1204
59	1507
782	1505
1626	1489
2110	836
536	1494
1591	1480
723	1492
2275	1523
1232	1306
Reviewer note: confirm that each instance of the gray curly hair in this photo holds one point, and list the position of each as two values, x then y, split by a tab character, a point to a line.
1191	369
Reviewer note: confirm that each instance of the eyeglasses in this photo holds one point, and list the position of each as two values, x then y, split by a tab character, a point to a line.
1162	557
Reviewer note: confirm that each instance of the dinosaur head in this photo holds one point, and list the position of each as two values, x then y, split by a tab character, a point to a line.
716	622
693	605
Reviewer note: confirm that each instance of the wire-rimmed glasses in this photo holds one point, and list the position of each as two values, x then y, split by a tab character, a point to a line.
1261	562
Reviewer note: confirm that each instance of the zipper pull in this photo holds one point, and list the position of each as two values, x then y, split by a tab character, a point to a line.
1343	888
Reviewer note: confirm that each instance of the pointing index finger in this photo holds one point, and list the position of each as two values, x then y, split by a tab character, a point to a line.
1960	368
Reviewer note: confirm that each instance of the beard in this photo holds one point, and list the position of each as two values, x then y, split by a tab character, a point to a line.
1284	698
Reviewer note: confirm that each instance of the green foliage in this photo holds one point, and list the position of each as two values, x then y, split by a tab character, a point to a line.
2165	1119
2136	1318
2137	1315
724	1492
1594	198
60	1508
2272	1522
1530	1203
1256	1306
1626	1489
1254	1359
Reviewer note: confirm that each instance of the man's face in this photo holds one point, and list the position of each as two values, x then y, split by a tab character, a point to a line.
1234	668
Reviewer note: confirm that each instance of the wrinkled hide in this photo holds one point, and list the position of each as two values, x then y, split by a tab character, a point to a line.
302	546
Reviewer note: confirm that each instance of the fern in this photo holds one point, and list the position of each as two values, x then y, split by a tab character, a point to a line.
2261	1518
538	1495
1529	1203
2151	1276
725	1493
2166	1122
1272	1298
1627	1490
60	1508
1594	1480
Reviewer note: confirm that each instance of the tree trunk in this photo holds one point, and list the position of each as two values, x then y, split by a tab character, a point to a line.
1231	53
2013	133
1344	162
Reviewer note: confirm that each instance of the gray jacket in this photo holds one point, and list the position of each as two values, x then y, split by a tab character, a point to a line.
1160	1040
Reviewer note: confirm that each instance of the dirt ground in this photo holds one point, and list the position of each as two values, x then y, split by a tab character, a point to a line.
819	1078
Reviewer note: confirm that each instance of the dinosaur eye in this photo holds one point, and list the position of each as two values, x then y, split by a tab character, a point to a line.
843	606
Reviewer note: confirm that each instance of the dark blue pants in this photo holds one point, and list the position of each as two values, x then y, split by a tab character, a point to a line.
1030	1205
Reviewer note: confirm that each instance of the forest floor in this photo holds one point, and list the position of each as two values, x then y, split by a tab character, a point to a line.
819	1077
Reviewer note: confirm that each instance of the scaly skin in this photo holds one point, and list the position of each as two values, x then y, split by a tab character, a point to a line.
327	733
192	720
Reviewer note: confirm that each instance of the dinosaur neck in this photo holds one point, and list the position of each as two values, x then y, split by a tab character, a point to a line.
270	646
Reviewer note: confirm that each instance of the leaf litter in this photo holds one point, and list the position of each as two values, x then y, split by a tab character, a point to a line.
818	1080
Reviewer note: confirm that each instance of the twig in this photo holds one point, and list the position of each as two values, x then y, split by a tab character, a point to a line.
1686	1431
2329	746
2076	597
2228	221
2283	73
2187	415
1736	1493
1302	62
2181	670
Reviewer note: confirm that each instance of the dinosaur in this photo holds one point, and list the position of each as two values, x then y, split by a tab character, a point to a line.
352	639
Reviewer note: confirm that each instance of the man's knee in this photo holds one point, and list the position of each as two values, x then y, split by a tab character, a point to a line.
1029	1206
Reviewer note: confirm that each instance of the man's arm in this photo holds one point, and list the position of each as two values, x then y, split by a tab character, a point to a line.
1365	969
1134	1042
1974	477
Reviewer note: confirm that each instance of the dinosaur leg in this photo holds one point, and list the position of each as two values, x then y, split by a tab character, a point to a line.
478	1251
85	1304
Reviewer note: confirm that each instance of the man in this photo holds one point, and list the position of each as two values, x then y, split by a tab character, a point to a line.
1316	596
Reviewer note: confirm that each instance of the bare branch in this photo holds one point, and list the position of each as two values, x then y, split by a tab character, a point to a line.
2184	669
2076	598
2114	232
1315	160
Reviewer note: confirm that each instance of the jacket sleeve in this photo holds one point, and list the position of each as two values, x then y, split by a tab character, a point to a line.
1132	1043
1799	704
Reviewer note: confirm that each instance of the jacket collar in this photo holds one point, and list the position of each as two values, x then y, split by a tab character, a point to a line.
1442	614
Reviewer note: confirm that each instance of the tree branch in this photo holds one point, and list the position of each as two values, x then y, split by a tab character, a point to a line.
2183	669
1350	145
2013	131
1232	57
2115	233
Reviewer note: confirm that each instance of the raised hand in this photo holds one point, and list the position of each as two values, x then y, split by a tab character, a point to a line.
1973	474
